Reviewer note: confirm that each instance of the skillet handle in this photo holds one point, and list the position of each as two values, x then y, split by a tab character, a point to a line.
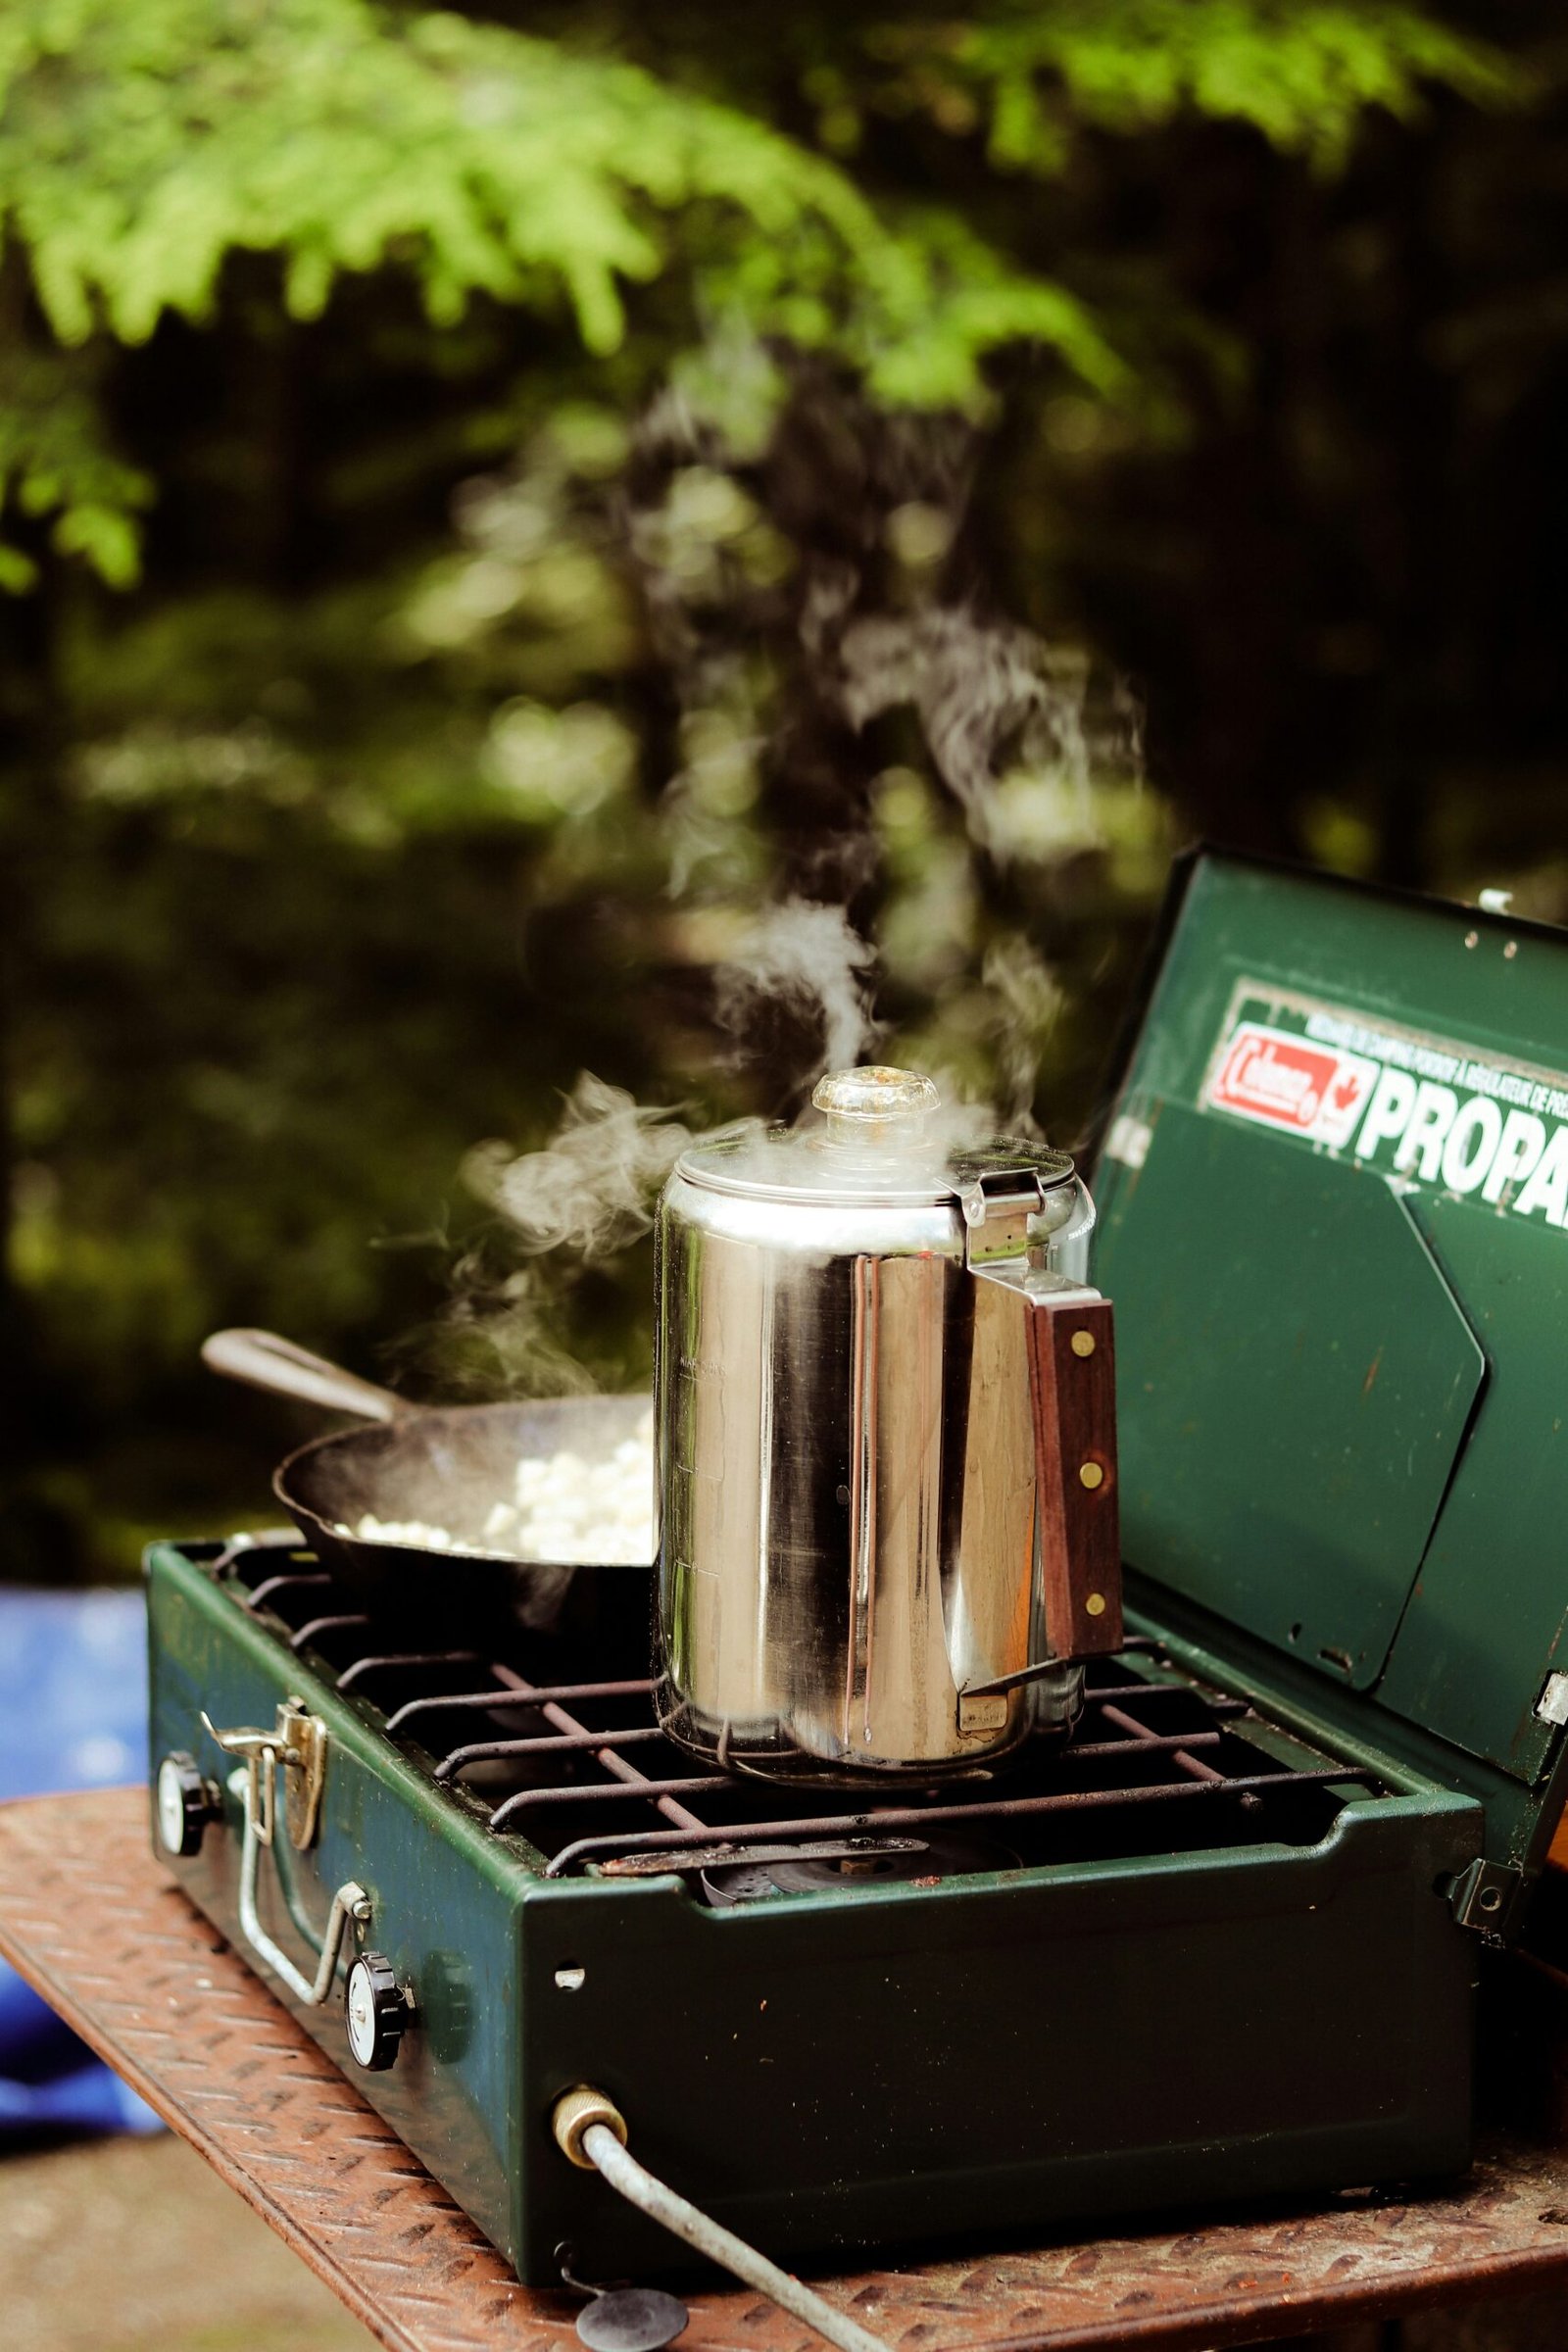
263	1360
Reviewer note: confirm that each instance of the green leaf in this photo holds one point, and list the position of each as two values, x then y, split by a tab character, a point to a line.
106	536
18	571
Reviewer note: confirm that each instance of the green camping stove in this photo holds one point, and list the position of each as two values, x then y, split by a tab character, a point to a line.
1322	1772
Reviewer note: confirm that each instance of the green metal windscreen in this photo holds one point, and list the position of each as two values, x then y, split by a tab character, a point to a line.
1333	1200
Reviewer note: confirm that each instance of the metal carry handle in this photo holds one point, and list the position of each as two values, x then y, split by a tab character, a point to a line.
350	1903
252	1785
264	1359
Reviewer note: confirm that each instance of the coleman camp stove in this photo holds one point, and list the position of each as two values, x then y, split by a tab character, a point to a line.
1224	1941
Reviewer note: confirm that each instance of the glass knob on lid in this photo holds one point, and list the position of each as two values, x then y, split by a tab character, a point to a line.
865	1105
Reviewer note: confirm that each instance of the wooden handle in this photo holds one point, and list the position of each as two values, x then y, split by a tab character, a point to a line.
263	1360
1072	1379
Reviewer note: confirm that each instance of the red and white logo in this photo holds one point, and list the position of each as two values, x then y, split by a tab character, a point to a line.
1286	1081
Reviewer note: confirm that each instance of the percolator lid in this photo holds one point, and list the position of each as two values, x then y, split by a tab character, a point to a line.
885	1136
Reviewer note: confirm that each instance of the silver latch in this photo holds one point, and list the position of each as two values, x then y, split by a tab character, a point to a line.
1553	1704
996	1210
298	1741
304	1752
1486	1897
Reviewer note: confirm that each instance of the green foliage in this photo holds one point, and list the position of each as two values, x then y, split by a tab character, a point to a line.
143	142
1302	72
54	461
141	145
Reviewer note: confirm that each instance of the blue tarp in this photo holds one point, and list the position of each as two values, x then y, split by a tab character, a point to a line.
73	1715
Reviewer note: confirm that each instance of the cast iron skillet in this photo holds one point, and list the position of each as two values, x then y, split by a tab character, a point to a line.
445	1467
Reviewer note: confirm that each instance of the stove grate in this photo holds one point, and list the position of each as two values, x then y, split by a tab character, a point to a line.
1160	1761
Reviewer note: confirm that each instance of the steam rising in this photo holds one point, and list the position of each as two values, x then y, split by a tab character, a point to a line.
591	1189
807	960
1028	1001
501	1333
1020	732
985	692
988	696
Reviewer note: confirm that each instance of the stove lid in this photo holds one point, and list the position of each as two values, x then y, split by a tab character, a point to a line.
1333	1198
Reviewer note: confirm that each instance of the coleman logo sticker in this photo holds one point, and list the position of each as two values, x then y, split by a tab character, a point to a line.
1421	1109
1311	1090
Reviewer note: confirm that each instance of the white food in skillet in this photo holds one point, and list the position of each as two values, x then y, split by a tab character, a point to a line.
582	1514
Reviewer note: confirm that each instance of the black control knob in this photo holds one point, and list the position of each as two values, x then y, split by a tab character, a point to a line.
375	2011
187	1803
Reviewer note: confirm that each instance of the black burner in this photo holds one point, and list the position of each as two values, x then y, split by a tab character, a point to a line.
943	1854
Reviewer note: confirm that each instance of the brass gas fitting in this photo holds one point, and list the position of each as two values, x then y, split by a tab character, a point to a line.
574	2111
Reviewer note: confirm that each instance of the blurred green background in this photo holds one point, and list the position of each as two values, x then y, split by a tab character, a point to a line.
493	500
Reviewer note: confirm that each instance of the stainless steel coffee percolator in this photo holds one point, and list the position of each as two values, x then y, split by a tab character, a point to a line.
885	1421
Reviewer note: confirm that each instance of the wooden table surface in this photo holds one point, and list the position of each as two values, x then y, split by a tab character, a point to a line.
88	1916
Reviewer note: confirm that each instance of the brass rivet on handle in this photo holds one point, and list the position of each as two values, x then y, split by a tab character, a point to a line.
1095	1604
1083	1342
1091	1475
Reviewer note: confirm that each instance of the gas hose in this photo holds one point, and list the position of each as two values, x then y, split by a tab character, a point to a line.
592	2130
